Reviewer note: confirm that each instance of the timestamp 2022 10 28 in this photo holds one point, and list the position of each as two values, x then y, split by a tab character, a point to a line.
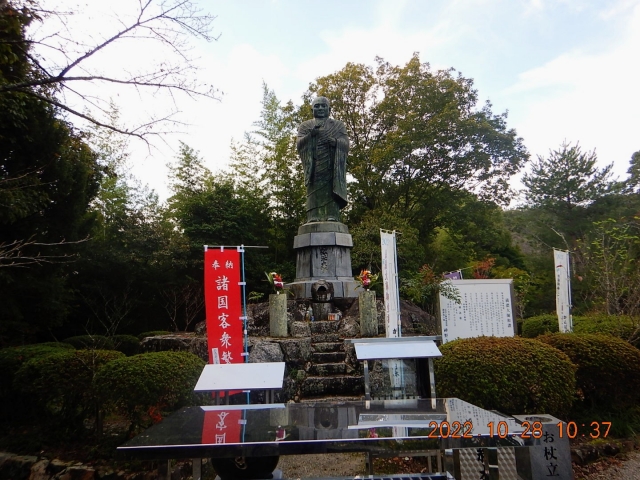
530	430
569	430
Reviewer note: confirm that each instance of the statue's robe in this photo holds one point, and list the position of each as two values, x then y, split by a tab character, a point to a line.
324	168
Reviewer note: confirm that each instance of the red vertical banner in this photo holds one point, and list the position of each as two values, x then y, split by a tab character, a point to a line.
221	426
223	305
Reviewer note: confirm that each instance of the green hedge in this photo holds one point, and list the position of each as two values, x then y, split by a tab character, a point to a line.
62	383
127	344
153	333
12	358
620	326
608	375
91	342
142	386
67	346
533	327
512	375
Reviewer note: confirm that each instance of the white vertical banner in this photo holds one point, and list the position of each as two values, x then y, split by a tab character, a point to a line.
563	290
390	281
392	306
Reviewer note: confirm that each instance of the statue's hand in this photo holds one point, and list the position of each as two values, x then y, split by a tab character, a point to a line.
315	131
332	141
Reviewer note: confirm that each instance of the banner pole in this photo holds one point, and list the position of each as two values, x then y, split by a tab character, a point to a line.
244	317
395	263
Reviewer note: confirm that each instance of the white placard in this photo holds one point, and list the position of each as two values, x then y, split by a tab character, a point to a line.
563	291
390	283
485	309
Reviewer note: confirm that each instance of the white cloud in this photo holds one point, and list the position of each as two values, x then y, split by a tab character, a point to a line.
592	98
360	45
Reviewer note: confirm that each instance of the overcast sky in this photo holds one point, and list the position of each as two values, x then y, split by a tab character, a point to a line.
564	70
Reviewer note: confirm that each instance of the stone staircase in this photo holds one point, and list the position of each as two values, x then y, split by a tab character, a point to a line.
329	374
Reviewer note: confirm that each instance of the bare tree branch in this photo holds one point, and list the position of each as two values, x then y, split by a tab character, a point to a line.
183	303
111	309
13	254
169	24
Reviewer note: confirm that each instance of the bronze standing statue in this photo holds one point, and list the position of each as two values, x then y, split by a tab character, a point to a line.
323	146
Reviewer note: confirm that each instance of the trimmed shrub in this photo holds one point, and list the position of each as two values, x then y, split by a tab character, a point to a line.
511	375
142	386
620	326
608	375
533	327
153	333
12	358
127	344
91	342
68	346
62	383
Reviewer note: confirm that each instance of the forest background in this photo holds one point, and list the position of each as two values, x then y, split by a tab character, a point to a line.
86	248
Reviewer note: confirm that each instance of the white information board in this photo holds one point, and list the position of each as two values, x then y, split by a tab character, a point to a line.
485	309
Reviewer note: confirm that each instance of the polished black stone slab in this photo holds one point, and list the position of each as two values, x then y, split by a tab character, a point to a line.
278	429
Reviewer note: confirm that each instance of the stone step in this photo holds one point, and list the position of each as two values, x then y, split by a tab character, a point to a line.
337	385
300	329
328	357
325	338
326	369
325	326
327	347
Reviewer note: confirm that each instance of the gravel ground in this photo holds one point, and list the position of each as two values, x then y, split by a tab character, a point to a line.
325	465
350	464
627	469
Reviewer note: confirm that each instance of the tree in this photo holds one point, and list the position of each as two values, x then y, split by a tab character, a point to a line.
474	229
267	164
48	177
611	254
425	286
418	143
59	64
126	263
213	209
417	135
567	179
633	182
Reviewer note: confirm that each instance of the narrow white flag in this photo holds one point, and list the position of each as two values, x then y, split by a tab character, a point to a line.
563	290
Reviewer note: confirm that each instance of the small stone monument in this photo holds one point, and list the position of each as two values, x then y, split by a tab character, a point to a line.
323	243
277	306
368	314
278	315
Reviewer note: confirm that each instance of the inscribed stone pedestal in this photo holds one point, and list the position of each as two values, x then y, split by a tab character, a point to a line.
323	253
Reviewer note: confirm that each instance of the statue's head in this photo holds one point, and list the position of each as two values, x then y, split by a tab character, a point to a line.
321	107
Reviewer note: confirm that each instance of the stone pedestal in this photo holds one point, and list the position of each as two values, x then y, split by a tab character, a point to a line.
368	314
278	315
323	253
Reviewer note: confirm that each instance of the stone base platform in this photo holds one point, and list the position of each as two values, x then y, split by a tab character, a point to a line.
324	253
